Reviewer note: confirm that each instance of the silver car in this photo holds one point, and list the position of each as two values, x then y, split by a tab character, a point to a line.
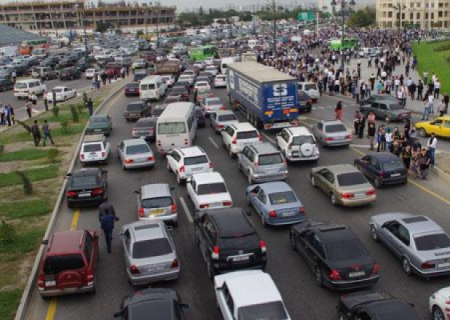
135	153
149	252
220	119
332	133
421	244
156	202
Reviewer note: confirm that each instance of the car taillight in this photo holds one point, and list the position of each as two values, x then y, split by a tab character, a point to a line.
329	139
41	281
141	212
262	246
348	136
219	126
208	108
204	206
234	141
128	161
347	195
81	156
382	174
273	214
215	253
134	133
260	137
182	169
97	191
376	268
103	154
151	158
427	265
302	209
227	203
211	165
335	275
174	208
370	192
223	107
71	193
134	269
174	264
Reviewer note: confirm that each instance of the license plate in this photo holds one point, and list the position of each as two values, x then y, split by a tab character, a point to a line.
133	114
339	138
289	214
360	194
157	212
216	204
155	269
356	274
241	258
395	175
197	169
97	130
84	194
50	283
444	265
140	160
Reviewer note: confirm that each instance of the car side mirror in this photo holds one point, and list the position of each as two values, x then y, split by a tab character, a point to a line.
169	228
44	242
137	192
118	314
184	306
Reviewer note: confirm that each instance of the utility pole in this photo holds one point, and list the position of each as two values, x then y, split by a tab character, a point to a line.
274	30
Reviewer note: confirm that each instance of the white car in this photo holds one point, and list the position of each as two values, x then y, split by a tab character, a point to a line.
310	88
298	144
90	73
212	70
208	191
184	162
249	294
220	119
169	80
236	136
95	148
199	64
186	78
220	81
62	94
439	303
202	85
139	64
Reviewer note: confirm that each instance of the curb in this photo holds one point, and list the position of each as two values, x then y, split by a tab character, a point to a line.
28	290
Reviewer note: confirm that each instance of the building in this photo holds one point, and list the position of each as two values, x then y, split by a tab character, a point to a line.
413	13
53	17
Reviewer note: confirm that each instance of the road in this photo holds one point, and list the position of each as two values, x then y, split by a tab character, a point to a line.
304	300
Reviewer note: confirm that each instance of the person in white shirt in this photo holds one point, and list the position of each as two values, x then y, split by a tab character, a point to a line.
431	144
388	136
437	87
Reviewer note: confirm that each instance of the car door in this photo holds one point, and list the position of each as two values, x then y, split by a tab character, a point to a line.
328	182
318	178
391	236
126	242
373	168
437	127
172	160
244	159
374	108
383	110
446	129
192	191
260	201
363	164
308	248
208	237
282	140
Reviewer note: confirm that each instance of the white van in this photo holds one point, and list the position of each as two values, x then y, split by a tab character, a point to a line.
252	43
152	88
224	63
176	126
23	88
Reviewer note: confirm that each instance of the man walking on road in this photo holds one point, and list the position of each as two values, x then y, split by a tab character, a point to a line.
47	134
90	106
107	221
36	132
431	144
29	107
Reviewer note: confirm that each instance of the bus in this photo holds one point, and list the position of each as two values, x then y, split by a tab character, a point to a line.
203	53
347	44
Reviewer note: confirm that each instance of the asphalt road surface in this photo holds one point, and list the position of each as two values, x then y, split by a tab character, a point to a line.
303	299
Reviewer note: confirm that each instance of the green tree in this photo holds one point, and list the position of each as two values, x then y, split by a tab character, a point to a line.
362	18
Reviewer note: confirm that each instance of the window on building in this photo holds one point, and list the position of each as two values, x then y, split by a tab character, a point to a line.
432	15
411	16
418	15
440	15
426	15
390	14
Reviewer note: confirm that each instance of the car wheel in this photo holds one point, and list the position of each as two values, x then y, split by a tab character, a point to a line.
422	132
292	241
313	182
210	269
373	233
318	277
180	181
377	183
406	266
437	313
333	199
230	152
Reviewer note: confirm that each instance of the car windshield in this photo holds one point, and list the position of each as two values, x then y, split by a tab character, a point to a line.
282	197
394	310
267	311
171	128
137	149
83	181
432	242
21	85
333	128
226	117
159	310
157	112
56	264
151	248
94	147
211	102
97	120
270	159
310	87
211	188
395	107
393	165
299	140
161	202
195	160
178	90
134	107
347	250
247	135
57	90
351	179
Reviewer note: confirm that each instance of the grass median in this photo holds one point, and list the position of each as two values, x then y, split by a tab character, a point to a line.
12	178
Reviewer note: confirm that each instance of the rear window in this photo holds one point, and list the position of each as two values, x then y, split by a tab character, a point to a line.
267	311
195	160
171	128
211	188
92	147
21	85
247	135
98	120
212	102
157	202
332	128
151	248
350	179
310	87
137	149
226	117
348	250
57	264
270	159
299	140
146	124
432	242
150	86
282	197
83	181
135	107
393	165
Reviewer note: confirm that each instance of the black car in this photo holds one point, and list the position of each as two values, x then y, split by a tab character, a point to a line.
172	98
69	73
377	98
145	128
68	61
158	110
186	84
138	76
132	89
228	241
137	110
6	84
180	91
374	305
382	168
201	117
162	303
337	257
304	102
86	187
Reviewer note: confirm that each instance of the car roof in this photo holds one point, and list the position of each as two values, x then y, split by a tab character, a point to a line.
231	221
340	168
383	156
242	126
146	119
263	147
134	142
420	224
297	131
155	190
65	242
208	177
331	122
136	103
86	172
275	186
191	151
90	138
99	116
147	230
332	233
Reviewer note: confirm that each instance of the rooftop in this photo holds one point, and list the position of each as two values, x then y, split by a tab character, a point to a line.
9	36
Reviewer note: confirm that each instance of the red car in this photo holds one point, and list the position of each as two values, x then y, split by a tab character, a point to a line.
132	89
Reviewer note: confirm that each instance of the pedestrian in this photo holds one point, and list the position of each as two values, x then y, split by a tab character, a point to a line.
107	221
54	98
419	91
426	108
8	115
406	156
437	87
424	164
29	108
446	100
371	130
14	76
45	101
36	133
33	98
425	77
381	139
2	115
388	137
441	108
90	106
431	145
338	111
356	122
11	115
47	133
362	125
371	117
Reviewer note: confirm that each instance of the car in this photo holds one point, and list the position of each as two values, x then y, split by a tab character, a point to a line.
44	73
374	305
149	252
235	136
86	187
139	64
184	162
136	110
163	302
249	294
99	123
420	243
376	98
70	73
439	126
212	70
179	91
158	110
202	94
135	153
382	168
276	203
221	118
211	104
145	128
228	241
262	162
61	93
6	84
208	191
438	304
185	84
202	85
132	89
168	79
304	101
343	184
204	77
200	116
186	78
95	148
69	264
90	73
331	133
139	75
336	256
156	202
220	81
298	144
310	88
386	110
173	98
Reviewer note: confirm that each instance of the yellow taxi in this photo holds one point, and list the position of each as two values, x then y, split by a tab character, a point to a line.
440	127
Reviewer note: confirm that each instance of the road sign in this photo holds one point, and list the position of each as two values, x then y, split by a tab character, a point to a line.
306	16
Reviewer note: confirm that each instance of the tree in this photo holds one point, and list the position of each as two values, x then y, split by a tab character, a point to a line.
102	26
200	11
362	18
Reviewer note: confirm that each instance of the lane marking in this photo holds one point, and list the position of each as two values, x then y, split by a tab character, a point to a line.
213	142
186	210
112	103
269	139
76	217
360	145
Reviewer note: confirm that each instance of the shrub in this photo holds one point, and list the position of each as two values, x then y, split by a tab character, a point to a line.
27	186
7	233
444	47
2	147
75	116
52	155
80	108
65	126
85	98
55	111
23	124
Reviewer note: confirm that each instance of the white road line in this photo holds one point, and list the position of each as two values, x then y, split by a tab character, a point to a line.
213	142
360	145
34	110
186	210
270	139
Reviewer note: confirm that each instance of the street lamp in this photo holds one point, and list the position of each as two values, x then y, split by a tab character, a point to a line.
399	7
274	30
343	4
157	6
83	21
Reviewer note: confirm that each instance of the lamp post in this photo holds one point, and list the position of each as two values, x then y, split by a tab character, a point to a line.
83	21
274	30
399	7
343	4
156	7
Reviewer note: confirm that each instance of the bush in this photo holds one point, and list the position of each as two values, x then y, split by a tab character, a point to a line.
444	47
55	111
80	108
7	233
27	186
75	116
2	147
52	155
65	127
23	124
85	98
